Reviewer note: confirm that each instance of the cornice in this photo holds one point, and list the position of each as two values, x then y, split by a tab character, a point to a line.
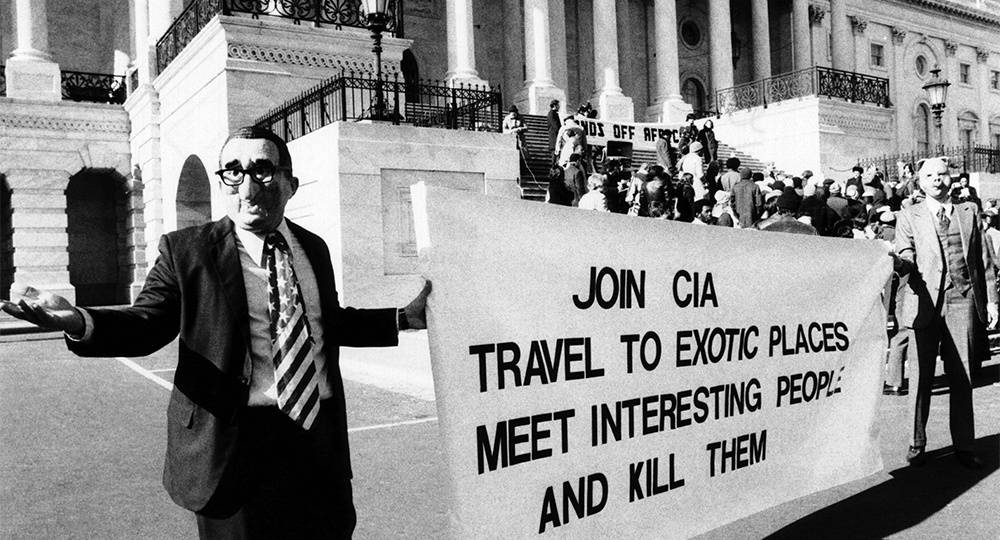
959	10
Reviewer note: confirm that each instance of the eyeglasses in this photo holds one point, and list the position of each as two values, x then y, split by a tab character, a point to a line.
262	174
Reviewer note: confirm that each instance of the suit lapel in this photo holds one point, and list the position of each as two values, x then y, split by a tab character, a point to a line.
225	258
966	221
927	222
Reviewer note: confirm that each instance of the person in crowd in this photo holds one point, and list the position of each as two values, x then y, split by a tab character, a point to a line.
558	192
595	199
617	180
899	337
785	219
964	192
723	211
747	199
835	201
711	180
692	164
636	200
514	124
806	177
822	217
940	247
555	124
666	154
770	205
855	179
687	189
709	145
250	456
732	174
703	212
688	135
575	178
798	186
572	139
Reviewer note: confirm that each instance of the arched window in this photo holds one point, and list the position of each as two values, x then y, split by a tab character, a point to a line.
921	128
411	74
694	94
968	128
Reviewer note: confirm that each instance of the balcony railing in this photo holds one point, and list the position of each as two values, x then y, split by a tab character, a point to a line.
968	159
335	13
814	81
93	87
355	97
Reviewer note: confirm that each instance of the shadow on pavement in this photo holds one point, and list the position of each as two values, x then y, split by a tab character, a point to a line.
913	495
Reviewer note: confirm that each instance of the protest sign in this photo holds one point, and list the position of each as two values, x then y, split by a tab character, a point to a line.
642	136
607	376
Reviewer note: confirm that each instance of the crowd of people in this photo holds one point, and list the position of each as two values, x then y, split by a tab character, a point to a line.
689	183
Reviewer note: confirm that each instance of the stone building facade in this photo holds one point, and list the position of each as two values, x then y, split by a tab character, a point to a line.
86	189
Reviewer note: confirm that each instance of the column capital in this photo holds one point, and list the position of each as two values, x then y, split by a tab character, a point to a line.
982	55
950	47
816	14
898	35
858	24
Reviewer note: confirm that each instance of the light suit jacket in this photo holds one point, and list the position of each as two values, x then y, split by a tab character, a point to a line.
923	259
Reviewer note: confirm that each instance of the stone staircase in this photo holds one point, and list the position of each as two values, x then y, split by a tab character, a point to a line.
534	176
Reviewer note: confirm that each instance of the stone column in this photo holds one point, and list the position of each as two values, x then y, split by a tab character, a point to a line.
611	103
669	106
720	44
801	34
30	71
145	44
461	44
841	36
539	87
761	40
39	221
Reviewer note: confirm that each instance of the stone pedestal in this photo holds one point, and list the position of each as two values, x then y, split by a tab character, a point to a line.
535	98
613	106
672	110
33	79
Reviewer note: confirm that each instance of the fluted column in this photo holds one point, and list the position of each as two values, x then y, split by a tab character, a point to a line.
611	103
801	34
761	40
841	36
539	87
669	106
30	72
145	45
461	44
720	44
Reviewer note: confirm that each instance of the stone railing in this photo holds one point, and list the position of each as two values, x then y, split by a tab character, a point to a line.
321	13
814	81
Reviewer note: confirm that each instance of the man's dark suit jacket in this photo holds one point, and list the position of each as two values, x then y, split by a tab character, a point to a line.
196	289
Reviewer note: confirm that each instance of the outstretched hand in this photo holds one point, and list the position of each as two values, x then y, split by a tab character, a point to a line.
416	310
43	309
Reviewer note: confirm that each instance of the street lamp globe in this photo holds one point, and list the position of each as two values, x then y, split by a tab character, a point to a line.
937	94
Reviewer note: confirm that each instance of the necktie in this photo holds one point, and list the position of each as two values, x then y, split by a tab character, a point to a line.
291	343
943	221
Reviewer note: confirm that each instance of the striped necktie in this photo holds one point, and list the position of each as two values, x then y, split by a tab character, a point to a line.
291	342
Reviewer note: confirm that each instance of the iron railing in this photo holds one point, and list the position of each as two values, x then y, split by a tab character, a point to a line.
3	80
354	96
94	87
336	13
813	81
968	159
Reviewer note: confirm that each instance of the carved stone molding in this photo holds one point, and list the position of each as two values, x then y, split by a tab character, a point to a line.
982	55
859	24
307	58
816	14
62	125
857	123
898	35
950	47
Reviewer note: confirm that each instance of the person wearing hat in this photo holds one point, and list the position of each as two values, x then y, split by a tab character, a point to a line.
572	139
748	201
785	218
822	217
939	245
836	200
693	164
723	211
732	174
855	180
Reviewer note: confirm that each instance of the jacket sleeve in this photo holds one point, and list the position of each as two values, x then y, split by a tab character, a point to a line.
904	245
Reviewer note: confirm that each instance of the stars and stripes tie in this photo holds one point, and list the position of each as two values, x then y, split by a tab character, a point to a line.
295	369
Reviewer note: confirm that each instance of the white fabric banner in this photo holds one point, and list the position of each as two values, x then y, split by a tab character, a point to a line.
711	372
641	136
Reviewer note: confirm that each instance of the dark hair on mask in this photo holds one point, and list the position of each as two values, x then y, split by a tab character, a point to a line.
255	132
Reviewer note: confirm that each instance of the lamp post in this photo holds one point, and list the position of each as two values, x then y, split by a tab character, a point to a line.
937	94
377	15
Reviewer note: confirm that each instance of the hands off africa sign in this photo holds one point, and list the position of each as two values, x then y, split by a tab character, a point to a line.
605	376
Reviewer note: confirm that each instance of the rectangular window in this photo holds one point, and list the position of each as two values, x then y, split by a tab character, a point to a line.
878	55
995	80
963	73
